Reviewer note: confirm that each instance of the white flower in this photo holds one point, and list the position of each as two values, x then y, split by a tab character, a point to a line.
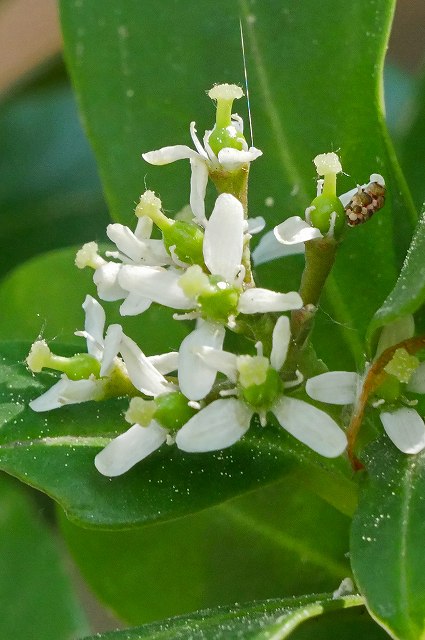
133	248
225	421
130	447
403	425
204	160
145	374
223	246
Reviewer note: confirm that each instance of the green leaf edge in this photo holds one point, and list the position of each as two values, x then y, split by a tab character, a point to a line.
307	607
390	311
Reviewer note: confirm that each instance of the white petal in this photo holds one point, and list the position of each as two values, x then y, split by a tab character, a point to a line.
219	360
141	372
255	225
165	362
106	281
334	387
269	248
395	332
417	381
219	425
134	304
94	325
68	391
130	447
157	284
223	240
147	252
257	300
198	187
169	154
196	378
231	159
280	342
311	426
294	230
111	348
405	428
198	146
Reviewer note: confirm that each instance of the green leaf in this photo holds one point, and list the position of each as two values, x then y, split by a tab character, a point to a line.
255	621
37	600
148	88
257	546
50	195
54	452
408	294
387	540
30	309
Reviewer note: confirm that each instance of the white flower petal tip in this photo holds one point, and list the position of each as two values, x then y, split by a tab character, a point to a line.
280	342
327	163
258	300
295	230
231	159
196	377
218	426
223	239
376	177
405	428
256	225
310	426
270	248
130	447
68	391
225	92
169	154
333	387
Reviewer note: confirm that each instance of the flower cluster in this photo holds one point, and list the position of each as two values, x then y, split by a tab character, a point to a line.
202	397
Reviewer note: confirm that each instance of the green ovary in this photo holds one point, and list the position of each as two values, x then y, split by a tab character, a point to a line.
262	396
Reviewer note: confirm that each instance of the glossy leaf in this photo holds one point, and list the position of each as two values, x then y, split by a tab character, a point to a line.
31	309
148	89
55	452
408	294
37	600
256	621
387	540
256	546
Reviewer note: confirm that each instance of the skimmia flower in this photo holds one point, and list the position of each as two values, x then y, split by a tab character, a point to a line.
258	389
327	214
100	373
224	148
214	289
403	375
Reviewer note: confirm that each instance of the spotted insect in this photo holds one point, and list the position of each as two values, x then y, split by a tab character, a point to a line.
366	201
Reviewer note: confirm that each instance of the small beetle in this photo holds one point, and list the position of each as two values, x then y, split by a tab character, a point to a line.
367	201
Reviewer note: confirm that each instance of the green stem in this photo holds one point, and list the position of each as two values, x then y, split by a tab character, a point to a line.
319	259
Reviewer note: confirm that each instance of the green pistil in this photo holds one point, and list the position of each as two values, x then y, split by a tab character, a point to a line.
223	116
219	301
262	396
172	410
187	238
329	185
78	367
321	216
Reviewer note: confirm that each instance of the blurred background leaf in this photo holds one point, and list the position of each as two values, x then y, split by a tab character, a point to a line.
36	595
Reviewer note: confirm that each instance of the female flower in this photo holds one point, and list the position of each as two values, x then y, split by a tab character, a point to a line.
100	373
258	389
401	376
225	148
